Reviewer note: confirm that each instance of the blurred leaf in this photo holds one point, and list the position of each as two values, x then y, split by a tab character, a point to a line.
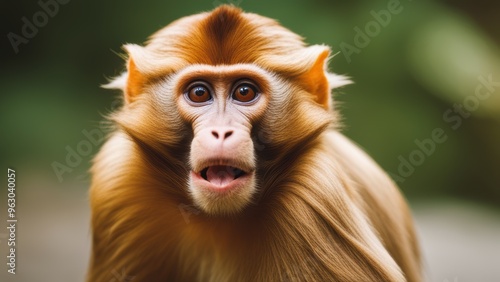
448	54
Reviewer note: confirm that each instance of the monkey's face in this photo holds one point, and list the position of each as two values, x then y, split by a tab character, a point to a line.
234	94
222	104
229	122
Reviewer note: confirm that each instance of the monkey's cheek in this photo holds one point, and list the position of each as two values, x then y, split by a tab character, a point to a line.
222	200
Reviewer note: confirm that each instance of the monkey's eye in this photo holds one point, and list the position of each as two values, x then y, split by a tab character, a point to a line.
245	92
199	94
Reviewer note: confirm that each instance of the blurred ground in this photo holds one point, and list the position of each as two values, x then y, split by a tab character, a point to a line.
460	240
53	237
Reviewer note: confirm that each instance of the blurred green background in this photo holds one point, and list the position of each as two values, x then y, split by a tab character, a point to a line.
418	67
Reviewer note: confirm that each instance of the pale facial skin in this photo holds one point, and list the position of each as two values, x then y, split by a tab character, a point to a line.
221	103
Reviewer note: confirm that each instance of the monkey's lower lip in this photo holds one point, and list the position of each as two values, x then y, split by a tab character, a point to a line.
221	177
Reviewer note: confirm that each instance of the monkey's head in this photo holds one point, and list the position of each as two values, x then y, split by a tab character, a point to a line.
223	97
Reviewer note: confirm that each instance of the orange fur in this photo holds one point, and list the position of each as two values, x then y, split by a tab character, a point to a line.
321	209
315	81
135	82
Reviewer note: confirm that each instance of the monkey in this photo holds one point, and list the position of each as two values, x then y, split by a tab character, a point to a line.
227	163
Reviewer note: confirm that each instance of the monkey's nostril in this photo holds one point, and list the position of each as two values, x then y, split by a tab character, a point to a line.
229	133
215	134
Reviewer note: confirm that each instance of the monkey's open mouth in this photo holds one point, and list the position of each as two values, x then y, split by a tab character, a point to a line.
221	175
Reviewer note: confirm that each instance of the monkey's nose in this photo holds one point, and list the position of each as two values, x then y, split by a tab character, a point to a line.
222	133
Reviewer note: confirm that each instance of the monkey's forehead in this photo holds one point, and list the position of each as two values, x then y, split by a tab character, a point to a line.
224	36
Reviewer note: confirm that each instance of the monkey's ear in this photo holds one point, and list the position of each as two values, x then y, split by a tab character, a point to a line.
317	80
135	81
132	81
